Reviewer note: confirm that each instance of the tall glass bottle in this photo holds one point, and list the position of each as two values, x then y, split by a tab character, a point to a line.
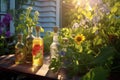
29	43
19	51
54	45
37	49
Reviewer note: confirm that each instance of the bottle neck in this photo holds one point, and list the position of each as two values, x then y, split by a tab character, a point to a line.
20	41
20	38
30	29
37	34
55	38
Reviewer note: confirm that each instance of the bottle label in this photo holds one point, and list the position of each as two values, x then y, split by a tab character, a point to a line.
37	52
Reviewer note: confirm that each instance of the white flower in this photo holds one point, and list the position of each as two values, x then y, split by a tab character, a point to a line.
75	25
37	13
30	8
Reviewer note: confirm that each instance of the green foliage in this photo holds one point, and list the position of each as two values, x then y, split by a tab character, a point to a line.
48	37
19	9
27	20
65	32
97	54
7	45
106	54
98	73
81	58
57	63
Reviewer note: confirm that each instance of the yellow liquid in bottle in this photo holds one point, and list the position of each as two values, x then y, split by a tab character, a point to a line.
37	52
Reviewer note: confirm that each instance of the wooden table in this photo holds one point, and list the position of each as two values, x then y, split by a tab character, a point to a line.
7	63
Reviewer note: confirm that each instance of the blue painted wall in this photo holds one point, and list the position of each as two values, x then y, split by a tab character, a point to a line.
49	13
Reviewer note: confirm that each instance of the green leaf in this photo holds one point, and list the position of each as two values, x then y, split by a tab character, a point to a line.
55	65
94	29
41	29
114	9
98	73
117	4
39	55
97	40
105	54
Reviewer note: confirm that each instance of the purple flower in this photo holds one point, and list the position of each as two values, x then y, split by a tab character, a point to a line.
7	34
0	31
1	24
7	18
62	53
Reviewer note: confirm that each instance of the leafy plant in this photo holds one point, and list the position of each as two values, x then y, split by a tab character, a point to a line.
27	20
48	37
98	73
5	35
80	55
19	9
92	43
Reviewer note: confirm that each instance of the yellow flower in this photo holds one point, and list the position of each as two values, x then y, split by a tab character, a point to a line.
41	29
79	38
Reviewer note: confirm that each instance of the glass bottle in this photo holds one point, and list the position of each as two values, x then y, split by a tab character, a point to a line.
29	43
37	49
19	51
54	45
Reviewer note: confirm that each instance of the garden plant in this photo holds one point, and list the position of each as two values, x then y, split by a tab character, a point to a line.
89	45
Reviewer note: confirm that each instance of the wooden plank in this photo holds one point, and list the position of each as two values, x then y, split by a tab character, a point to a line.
26	68
6	57
8	62
43	70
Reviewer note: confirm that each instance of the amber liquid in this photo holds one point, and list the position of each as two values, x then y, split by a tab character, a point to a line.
37	47
19	53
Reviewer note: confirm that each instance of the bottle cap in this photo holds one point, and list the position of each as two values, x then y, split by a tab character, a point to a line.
20	36
55	29
37	28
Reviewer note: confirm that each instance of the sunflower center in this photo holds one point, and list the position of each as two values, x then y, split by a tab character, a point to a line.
79	38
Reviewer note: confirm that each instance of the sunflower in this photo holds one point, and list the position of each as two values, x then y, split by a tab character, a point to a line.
79	38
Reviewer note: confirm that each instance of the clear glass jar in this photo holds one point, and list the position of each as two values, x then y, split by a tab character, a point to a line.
29	43
54	45
19	51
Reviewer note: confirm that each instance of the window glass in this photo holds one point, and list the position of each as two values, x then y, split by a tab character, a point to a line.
3	6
